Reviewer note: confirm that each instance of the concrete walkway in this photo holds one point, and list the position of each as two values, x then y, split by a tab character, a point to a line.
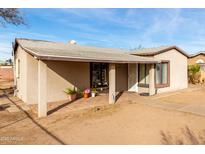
194	108
191	100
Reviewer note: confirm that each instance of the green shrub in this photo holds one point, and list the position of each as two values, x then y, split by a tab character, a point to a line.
94	90
70	91
193	69
193	73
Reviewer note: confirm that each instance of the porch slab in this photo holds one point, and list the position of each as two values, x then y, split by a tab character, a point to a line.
62	107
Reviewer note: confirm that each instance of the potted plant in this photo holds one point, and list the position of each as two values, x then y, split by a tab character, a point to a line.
93	92
72	93
86	93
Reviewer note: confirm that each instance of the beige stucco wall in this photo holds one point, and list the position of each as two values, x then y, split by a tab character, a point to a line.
61	75
133	77
21	81
27	83
121	77
178	70
32	79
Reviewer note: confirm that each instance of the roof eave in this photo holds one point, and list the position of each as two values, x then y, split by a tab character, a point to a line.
56	58
62	58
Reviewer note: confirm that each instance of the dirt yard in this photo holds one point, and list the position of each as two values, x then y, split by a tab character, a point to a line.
130	121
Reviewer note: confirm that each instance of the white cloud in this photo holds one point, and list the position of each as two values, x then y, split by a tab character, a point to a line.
166	24
5	50
105	16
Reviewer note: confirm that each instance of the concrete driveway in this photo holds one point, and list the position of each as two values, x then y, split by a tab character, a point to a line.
191	100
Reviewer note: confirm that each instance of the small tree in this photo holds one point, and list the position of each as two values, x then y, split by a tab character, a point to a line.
10	16
193	73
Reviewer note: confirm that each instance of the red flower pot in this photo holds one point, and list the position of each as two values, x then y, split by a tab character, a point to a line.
86	95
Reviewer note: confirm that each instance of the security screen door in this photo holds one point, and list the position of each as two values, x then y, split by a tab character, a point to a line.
99	75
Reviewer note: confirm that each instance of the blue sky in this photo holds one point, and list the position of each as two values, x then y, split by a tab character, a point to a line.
116	28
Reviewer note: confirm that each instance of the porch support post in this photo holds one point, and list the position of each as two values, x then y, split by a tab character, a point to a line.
112	83
151	80
42	89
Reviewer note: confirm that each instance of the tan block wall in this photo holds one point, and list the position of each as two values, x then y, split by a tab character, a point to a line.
178	70
6	72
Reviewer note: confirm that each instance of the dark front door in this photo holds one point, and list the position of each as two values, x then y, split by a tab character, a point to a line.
99	75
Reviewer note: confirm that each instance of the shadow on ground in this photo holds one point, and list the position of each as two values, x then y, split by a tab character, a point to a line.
3	107
5	94
187	137
51	111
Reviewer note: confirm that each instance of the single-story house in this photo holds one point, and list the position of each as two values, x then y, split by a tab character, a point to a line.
43	69
198	58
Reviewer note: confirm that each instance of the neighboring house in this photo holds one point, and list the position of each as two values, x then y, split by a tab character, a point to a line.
44	69
2	62
198	58
7	62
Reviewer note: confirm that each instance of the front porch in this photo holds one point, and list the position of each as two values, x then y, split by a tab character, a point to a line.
115	87
91	103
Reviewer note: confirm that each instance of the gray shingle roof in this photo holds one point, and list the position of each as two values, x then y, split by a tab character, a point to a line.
73	52
156	50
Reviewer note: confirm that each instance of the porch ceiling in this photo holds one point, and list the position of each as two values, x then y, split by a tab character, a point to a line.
46	50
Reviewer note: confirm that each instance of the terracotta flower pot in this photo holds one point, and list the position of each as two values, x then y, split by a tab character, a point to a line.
72	97
86	95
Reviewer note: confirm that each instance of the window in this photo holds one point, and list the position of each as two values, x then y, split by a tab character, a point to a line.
144	74
201	63
162	74
202	66
17	68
